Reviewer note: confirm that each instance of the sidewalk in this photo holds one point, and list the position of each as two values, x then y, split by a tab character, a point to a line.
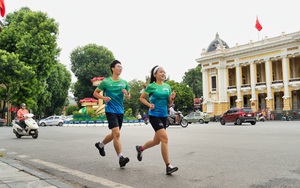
14	175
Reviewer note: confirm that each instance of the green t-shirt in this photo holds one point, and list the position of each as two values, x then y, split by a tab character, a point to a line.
159	96
113	89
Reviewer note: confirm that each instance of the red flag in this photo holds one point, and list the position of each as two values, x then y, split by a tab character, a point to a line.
2	8
257	25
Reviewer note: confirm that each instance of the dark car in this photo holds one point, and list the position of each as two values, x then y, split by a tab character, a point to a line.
238	116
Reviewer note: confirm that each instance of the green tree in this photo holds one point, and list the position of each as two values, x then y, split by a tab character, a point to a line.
12	74
184	99
58	82
31	35
71	109
128	113
88	62
135	91
193	78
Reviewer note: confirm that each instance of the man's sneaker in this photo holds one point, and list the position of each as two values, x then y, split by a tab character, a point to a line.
139	153
123	161
171	169
101	150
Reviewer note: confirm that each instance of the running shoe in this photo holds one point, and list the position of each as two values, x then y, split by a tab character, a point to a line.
139	153
101	150
123	161
171	169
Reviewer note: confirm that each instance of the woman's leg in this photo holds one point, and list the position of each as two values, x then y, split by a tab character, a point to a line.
155	141
163	137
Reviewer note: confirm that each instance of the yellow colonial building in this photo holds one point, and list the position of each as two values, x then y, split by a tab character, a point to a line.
261	75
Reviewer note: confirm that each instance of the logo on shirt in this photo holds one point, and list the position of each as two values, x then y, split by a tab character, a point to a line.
121	85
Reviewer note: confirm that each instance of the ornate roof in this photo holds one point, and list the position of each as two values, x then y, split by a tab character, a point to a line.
97	79
217	43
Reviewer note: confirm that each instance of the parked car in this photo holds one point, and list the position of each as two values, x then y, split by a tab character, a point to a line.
200	117
238	116
2	122
52	120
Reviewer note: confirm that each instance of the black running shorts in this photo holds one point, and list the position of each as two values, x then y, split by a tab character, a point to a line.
114	120
158	122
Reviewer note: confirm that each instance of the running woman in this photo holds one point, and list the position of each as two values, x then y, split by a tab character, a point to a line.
160	98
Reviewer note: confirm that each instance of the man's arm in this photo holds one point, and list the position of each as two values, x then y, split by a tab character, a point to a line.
99	96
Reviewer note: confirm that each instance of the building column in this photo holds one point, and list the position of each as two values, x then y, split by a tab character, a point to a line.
253	99
285	69
238	85
222	82
269	99
205	89
222	89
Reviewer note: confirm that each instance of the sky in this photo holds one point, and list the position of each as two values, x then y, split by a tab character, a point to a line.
169	33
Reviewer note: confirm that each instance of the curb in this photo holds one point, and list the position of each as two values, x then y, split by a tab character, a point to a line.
40	175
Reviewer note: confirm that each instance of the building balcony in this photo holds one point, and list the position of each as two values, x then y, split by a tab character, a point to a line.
231	89
277	85
261	86
245	88
295	83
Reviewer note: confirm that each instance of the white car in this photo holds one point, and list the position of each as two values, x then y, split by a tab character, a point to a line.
52	120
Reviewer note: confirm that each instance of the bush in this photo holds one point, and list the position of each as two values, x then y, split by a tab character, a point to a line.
70	110
91	113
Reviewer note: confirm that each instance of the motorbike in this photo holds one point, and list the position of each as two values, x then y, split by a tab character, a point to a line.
183	122
31	128
261	117
286	118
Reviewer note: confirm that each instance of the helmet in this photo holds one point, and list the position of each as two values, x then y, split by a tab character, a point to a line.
23	104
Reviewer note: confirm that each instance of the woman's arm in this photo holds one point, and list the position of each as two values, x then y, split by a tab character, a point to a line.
145	102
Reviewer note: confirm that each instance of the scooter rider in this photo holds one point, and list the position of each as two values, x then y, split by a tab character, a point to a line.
173	114
21	114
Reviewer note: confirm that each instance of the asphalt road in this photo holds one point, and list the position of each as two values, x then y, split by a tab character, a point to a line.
208	155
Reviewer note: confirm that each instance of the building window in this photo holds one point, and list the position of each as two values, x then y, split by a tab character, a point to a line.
213	83
244	79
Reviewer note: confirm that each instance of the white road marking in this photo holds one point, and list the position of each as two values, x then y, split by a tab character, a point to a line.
2	149
11	153
23	156
82	175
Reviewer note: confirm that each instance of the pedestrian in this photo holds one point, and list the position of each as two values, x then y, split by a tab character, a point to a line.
114	89
160	98
144	116
21	115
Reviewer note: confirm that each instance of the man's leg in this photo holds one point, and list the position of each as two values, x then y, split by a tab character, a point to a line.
116	140
118	147
176	119
22	124
100	146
